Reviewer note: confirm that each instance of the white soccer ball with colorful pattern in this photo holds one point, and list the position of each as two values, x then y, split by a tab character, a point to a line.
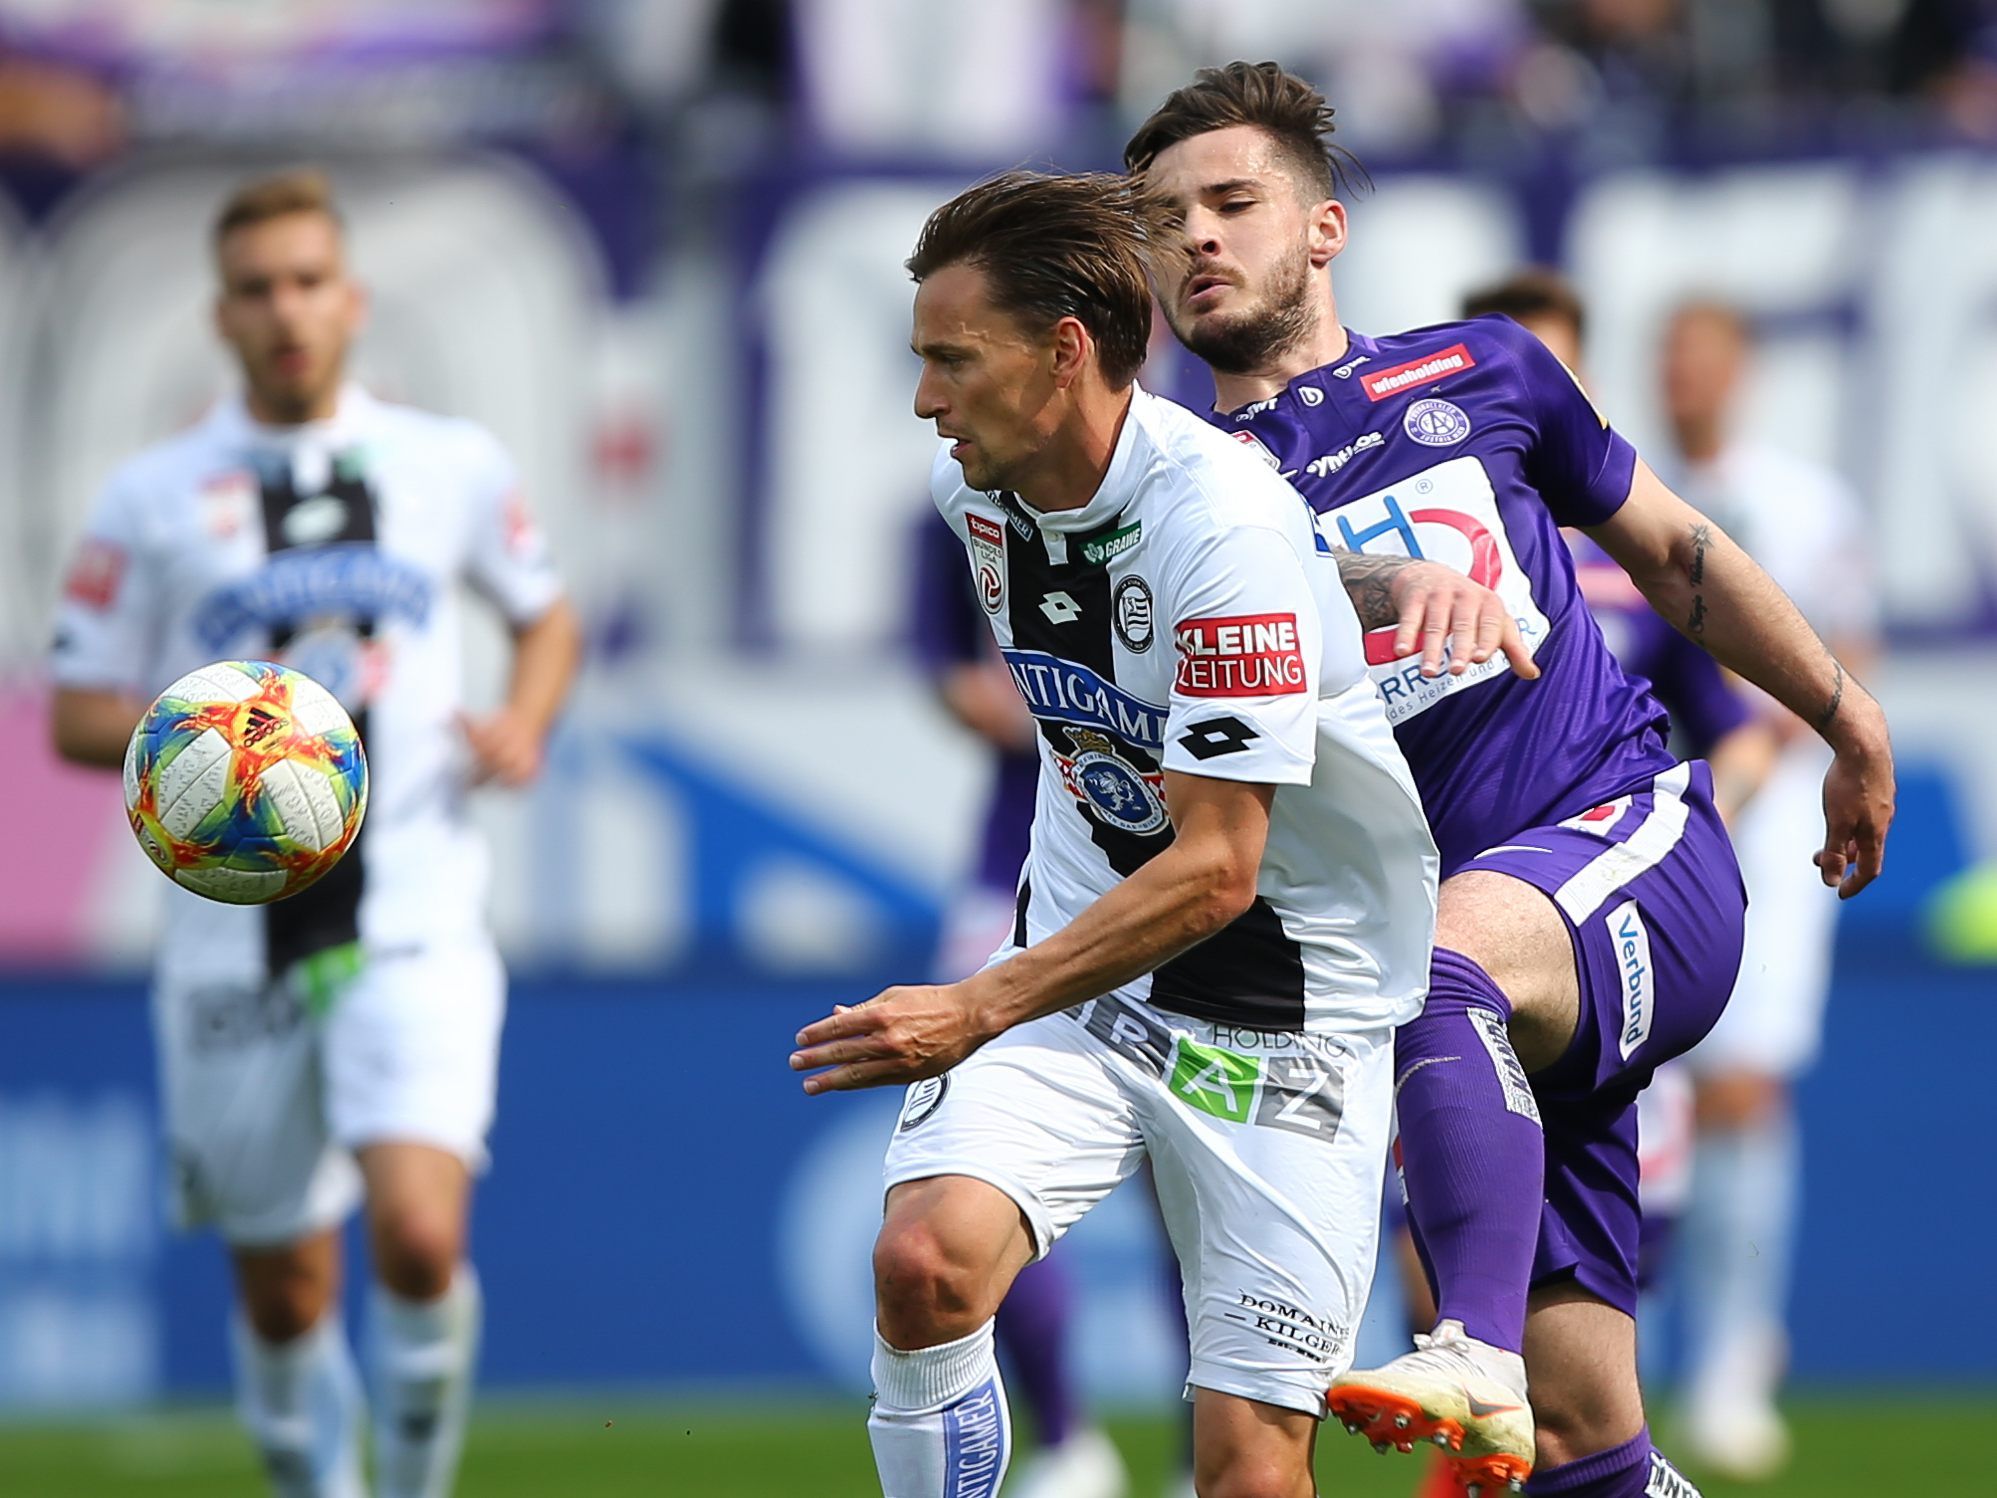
245	781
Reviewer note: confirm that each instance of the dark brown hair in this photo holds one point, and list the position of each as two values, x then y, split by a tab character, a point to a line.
1280	104
302	190
1053	246
1532	292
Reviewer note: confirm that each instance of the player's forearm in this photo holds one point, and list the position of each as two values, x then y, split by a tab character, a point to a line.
1369	583
1718	597
546	654
94	727
1177	900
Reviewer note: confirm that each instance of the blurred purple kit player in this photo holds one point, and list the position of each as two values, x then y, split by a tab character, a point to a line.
1468	443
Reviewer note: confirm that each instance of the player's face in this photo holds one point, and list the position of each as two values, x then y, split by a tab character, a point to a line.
1703	357
1558	334
987	381
1237	268
289	311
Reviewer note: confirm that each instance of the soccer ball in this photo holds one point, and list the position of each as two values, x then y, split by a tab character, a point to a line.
245	781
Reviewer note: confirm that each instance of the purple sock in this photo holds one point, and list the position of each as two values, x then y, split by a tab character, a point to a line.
1033	1339
1472	1151
1635	1469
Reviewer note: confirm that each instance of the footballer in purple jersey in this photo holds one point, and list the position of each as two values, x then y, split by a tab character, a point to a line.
1589	923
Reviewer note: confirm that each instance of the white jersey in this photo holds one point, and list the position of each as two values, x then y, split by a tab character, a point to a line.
338	548
1189	618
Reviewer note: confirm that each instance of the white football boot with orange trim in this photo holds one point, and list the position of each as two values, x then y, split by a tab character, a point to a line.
1466	1396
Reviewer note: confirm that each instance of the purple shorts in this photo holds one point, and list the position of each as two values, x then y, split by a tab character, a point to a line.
1654	901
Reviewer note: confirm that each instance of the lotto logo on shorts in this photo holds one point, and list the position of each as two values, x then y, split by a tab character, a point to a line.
1423	371
1240	655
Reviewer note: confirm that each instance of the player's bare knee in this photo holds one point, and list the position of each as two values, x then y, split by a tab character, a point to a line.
1578	1417
1515	933
283	1308
923	1294
416	1250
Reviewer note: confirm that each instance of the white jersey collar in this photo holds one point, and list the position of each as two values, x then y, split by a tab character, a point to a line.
235	424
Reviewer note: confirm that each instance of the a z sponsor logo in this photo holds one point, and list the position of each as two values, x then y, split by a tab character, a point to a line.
1639	985
1425	370
1240	655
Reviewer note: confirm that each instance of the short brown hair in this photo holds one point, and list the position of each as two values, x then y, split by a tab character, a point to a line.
1532	292
1281	105
1053	245
301	190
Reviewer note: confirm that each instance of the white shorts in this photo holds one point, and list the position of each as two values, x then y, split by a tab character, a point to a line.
1774	1023
265	1102
1267	1148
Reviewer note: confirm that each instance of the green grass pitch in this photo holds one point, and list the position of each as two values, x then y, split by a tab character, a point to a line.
625	1447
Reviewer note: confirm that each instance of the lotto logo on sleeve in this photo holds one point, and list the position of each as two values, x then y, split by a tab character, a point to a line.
1425	370
1240	655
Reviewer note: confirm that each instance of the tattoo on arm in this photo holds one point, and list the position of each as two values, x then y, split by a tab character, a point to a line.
1369	584
1702	536
1825	718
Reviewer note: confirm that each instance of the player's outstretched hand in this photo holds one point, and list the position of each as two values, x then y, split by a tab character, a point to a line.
1858	808
900	1035
1436	605
504	746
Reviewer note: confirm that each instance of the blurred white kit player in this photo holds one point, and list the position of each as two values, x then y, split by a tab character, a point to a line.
1806	528
344	1042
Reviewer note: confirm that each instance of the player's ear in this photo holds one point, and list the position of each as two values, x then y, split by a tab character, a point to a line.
1072	346
1326	232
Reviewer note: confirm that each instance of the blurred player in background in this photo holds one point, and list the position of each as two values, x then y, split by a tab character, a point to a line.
954	644
1225	909
1591	911
1806	526
342	1044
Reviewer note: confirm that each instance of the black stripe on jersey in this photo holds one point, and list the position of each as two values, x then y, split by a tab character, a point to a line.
1067	610
327	914
1019	910
1250	972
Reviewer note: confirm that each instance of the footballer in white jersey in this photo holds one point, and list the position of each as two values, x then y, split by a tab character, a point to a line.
341	1045
1230	896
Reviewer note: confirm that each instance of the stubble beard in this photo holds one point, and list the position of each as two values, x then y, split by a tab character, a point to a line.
1249	342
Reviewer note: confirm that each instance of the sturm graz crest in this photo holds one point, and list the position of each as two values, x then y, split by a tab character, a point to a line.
1115	789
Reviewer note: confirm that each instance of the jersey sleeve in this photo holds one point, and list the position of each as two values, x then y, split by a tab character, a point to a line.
1249	639
106	619
508	559
1581	466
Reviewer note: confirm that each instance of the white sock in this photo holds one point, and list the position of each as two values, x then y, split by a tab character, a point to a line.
939	1425
301	1401
424	1355
1739	1231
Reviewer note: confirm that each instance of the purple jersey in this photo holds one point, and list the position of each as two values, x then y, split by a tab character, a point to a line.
1690	684
948	628
1469	444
